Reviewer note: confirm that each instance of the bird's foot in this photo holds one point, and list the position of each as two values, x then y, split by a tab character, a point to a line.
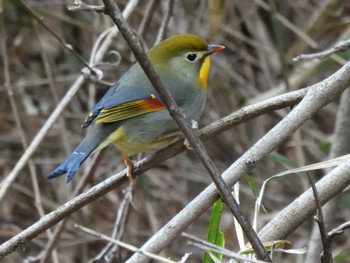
130	166
187	145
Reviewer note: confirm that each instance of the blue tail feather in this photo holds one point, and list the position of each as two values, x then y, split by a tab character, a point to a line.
79	155
96	135
70	165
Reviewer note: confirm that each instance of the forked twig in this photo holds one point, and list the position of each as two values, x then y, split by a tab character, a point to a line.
342	46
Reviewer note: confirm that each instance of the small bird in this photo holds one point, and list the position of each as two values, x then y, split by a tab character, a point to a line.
131	114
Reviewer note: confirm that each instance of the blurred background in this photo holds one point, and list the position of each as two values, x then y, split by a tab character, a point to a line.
261	39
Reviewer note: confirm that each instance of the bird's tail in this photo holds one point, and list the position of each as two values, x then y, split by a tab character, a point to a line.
92	140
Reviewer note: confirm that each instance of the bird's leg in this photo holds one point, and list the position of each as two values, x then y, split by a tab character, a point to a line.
130	166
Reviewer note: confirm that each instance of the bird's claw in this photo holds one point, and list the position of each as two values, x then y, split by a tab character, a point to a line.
187	145
130	166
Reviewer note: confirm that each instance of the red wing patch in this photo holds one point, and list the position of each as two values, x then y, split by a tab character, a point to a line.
130	109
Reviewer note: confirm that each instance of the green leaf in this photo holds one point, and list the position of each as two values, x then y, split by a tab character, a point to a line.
215	236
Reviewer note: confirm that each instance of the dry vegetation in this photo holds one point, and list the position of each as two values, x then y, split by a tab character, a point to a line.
256	64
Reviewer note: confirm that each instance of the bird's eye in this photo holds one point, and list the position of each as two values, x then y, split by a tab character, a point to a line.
191	57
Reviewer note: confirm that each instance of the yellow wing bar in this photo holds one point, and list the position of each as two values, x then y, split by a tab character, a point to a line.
129	109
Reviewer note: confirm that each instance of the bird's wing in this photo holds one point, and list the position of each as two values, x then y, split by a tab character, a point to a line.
120	104
128	109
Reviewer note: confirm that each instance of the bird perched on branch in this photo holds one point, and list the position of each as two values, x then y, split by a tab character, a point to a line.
131	114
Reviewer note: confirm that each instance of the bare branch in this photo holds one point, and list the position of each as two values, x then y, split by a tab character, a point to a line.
110	249
338	231
123	244
165	22
148	15
327	253
342	46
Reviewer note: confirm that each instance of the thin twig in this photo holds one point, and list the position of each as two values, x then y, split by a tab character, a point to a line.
148	15
326	256
165	22
338	231
110	249
123	244
207	246
342	46
121	217
135	44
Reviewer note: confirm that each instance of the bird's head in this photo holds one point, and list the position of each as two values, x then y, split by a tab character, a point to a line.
185	55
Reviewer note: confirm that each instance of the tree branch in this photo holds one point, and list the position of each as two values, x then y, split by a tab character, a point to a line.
326	256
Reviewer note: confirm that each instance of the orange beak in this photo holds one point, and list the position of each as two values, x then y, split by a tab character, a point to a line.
214	48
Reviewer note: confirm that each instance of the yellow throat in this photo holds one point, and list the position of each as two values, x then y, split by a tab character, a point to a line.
203	73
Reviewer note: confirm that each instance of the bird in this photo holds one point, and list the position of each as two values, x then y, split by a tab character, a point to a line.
132	116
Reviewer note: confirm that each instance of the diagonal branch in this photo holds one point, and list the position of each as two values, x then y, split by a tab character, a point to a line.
326	256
